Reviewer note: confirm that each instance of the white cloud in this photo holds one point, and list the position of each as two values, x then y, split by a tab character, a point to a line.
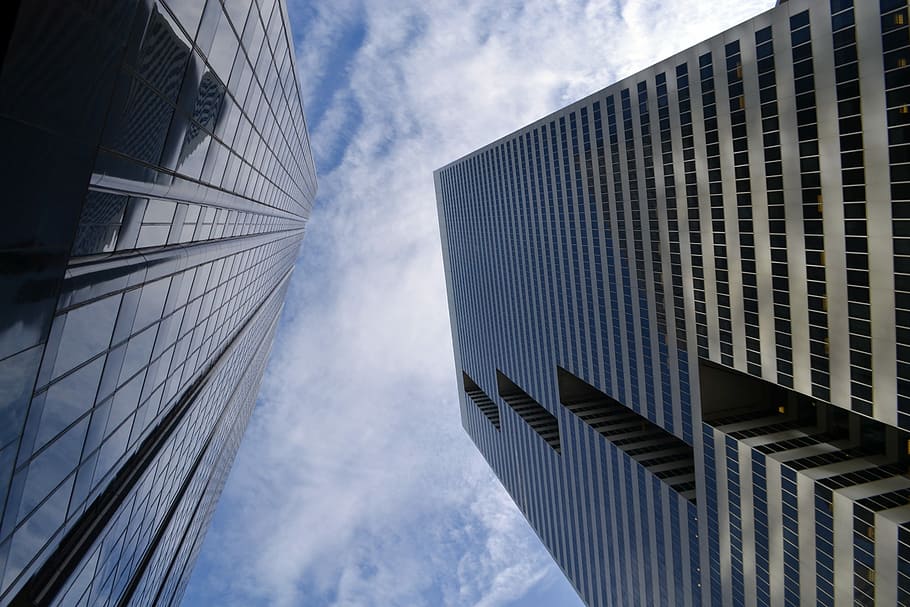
356	485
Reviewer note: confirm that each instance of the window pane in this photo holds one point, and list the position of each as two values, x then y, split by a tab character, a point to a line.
86	332
67	399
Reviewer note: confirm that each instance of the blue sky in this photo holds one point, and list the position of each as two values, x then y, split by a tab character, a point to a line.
355	485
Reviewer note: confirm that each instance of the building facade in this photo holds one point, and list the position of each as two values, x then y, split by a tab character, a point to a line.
681	317
158	178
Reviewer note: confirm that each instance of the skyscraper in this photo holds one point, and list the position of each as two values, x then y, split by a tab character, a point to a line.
157	179
681	317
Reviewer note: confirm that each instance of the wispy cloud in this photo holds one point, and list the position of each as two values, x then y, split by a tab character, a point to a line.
355	485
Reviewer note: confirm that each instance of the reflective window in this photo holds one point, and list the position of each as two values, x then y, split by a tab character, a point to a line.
99	226
188	13
151	303
67	400
50	467
86	332
17	375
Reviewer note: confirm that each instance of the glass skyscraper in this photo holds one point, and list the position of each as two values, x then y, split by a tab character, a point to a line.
681	317
157	179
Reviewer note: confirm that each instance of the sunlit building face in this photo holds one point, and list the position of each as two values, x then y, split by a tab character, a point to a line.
681	316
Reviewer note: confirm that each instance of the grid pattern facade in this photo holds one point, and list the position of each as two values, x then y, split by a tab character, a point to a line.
715	246
160	157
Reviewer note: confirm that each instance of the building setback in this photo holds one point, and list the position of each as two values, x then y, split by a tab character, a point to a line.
157	179
681	317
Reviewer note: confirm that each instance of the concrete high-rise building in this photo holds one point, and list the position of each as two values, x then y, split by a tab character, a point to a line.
157	178
681	317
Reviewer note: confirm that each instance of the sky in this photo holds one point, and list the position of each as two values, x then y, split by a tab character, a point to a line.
355	485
